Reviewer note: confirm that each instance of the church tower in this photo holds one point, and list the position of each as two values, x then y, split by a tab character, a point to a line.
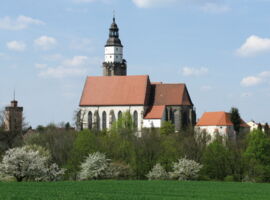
13	117
114	64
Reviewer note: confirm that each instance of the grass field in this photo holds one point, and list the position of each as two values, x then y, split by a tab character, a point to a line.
126	190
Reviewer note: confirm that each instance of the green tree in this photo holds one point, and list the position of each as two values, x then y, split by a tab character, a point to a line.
216	160
258	156
146	152
59	142
123	125
170	150
167	128
237	164
236	119
193	144
260	127
85	143
266	129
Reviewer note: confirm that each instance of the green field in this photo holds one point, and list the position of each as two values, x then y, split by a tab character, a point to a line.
125	190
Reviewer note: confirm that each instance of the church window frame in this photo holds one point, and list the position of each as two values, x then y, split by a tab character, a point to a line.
104	120
135	119
112	118
119	115
97	121
90	120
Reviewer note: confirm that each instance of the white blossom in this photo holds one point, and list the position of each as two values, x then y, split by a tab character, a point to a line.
185	169
157	173
94	167
24	163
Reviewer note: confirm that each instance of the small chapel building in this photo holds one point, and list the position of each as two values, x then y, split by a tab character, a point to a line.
105	98
219	123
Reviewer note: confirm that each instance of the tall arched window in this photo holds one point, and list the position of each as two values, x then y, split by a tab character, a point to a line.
104	120
90	120
119	115
184	119
112	117
97	121
166	114
135	119
172	115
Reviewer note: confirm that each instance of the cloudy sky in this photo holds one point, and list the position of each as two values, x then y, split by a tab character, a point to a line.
220	49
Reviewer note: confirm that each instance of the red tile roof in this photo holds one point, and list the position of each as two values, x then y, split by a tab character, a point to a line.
170	94
155	112
217	119
115	90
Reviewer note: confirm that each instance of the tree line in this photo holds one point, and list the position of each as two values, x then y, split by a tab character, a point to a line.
157	150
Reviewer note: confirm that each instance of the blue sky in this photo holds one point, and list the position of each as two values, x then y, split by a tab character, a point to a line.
220	49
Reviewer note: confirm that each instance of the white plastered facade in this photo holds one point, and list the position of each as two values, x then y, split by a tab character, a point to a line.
113	54
226	131
108	109
152	123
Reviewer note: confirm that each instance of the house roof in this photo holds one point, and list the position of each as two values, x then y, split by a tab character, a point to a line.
217	119
155	112
115	90
169	94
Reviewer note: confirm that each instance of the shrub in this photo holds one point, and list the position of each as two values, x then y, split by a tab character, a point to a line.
24	163
185	169
229	179
118	170
167	128
157	173
94	167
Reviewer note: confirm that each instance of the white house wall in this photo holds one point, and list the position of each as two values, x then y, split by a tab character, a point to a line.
253	125
226	131
152	123
107	109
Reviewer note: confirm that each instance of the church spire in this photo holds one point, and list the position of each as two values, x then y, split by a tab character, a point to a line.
114	64
114	35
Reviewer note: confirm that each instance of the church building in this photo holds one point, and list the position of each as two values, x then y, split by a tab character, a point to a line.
105	98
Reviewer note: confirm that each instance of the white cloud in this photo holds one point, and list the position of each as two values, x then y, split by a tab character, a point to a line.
205	5
76	61
215	8
16	45
21	22
265	74
251	81
254	45
45	42
84	1
152	3
76	66
40	66
62	71
91	1
256	80
190	71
